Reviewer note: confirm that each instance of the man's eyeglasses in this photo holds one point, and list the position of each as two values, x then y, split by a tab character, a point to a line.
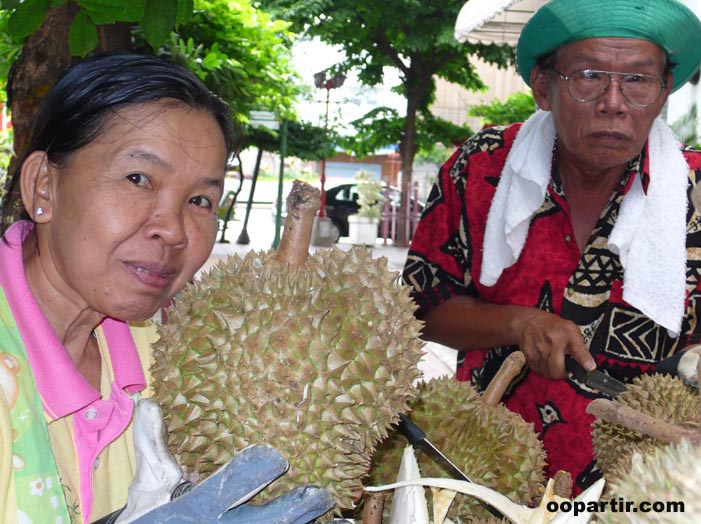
638	89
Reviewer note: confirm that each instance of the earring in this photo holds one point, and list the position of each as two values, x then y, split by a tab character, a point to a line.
40	211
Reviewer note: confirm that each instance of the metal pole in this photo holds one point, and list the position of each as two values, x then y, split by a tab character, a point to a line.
322	207
283	152
243	236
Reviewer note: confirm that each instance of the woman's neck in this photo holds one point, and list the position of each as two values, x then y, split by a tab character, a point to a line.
73	321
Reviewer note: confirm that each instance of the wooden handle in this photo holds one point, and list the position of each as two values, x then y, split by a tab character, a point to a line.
509	370
644	424
373	507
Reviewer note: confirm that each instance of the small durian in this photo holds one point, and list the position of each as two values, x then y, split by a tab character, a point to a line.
668	479
492	445
663	397
314	355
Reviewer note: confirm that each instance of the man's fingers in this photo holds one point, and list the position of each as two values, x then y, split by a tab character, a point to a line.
580	352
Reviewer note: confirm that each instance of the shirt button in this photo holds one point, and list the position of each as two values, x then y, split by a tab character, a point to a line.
568	238
91	414
96	464
570	291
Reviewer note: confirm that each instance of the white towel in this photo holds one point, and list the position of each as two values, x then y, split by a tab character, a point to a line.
650	231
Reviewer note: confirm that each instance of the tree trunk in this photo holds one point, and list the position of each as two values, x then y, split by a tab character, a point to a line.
114	37
45	56
407	150
43	59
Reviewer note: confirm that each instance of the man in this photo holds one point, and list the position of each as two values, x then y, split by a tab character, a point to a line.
574	233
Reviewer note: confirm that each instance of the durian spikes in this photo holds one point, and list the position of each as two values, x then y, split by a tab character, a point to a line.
618	413
510	368
303	201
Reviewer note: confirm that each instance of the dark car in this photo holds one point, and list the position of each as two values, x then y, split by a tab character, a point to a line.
342	201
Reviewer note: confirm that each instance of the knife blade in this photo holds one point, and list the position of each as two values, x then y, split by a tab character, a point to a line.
594	379
417	438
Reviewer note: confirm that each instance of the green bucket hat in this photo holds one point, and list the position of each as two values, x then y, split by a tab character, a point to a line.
668	23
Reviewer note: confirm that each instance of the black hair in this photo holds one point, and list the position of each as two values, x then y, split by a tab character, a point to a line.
74	112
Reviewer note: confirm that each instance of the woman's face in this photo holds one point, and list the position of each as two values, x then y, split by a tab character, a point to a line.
132	216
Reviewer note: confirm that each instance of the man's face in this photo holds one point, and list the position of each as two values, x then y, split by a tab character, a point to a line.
605	133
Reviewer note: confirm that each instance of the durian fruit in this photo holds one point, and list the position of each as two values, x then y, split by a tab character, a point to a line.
661	396
315	355
492	445
665	477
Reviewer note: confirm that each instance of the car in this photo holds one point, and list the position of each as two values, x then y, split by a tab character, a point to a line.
342	201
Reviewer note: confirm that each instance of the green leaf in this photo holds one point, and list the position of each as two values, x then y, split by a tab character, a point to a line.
8	5
110	11
82	36
27	17
159	20
184	15
134	10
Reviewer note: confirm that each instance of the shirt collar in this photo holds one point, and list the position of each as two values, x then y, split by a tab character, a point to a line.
62	388
638	166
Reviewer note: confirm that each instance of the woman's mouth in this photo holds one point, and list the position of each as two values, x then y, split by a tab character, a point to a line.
156	276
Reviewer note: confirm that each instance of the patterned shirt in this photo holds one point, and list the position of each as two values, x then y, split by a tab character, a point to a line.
445	260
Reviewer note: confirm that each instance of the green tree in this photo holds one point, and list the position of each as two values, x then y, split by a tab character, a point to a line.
238	51
415	37
517	108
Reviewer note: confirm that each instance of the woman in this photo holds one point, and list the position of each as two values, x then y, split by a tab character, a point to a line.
120	185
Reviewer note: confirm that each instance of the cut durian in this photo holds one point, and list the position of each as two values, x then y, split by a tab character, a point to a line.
494	446
314	355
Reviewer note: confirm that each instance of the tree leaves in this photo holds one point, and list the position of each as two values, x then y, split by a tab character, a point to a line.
82	36
157	19
27	17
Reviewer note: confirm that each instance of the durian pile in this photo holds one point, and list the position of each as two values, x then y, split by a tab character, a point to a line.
315	355
494	446
663	397
668	474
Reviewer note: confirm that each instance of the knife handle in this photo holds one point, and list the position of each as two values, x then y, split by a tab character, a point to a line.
574	367
411	431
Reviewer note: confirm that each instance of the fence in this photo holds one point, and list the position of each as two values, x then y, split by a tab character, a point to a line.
389	220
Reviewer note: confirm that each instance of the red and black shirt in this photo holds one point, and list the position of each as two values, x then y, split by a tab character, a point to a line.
445	259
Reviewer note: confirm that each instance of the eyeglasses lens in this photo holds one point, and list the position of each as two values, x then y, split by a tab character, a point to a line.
638	89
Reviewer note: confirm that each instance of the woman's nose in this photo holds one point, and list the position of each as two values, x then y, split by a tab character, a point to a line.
168	225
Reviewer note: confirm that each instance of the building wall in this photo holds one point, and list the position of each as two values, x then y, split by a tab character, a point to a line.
453	102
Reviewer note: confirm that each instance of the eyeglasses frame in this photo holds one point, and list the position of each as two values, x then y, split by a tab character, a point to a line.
661	81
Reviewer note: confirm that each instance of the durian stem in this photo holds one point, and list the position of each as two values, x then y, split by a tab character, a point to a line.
374	505
562	485
509	370
641	423
302	204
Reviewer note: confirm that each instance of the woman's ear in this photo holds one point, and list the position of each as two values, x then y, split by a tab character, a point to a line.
35	184
540	83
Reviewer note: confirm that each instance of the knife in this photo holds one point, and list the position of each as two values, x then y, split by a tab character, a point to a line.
594	379
417	438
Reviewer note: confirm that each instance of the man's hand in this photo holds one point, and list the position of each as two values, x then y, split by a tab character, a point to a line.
545	339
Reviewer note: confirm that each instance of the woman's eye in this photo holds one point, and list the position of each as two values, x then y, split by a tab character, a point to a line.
137	179
202	201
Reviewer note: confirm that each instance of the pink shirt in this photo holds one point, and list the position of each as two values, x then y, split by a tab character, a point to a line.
96	421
